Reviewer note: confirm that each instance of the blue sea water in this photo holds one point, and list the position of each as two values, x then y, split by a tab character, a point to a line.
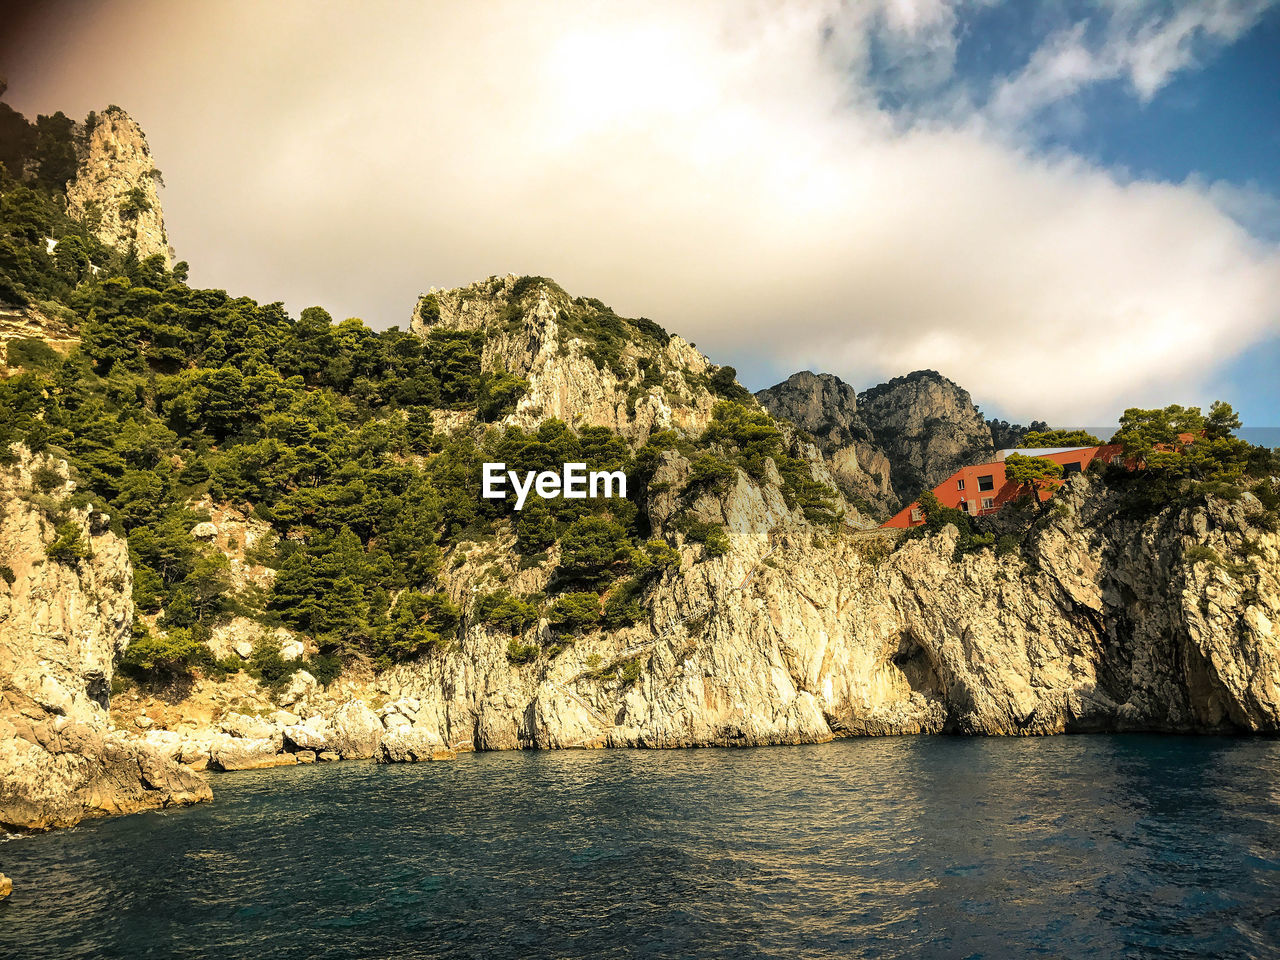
905	847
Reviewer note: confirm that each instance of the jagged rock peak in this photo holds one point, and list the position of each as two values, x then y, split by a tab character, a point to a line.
928	427
584	363
819	403
826	407
116	186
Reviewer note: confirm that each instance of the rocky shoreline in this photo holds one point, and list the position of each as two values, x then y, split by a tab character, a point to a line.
1101	622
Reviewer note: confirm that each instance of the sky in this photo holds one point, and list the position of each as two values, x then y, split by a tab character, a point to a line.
1068	207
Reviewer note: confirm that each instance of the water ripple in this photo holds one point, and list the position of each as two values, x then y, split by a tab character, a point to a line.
907	847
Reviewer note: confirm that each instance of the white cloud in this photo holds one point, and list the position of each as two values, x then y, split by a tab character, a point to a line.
718	168
1249	205
1142	41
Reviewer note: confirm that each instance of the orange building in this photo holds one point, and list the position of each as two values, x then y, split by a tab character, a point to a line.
984	488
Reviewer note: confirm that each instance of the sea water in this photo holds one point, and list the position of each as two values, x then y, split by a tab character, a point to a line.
1094	846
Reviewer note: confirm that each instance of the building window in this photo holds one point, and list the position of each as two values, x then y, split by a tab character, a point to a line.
1070	468
988	503
916	515
959	484
987	483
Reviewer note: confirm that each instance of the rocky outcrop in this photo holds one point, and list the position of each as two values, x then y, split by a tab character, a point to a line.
115	189
583	364
357	731
826	407
927	427
887	444
62	623
800	633
408	744
33	323
248	753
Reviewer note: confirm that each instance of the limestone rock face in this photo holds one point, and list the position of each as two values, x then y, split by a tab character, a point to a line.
927	427
115	187
31	322
534	330
887	444
61	626
799	634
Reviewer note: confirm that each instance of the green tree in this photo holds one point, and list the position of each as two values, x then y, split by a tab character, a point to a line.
502	609
165	657
419	622
1177	443
622	606
593	551
724	382
68	545
937	517
1144	432
536	528
498	394
654	559
1033	474
420	430
208	585
31	354
268	666
1221	423
56	160
715	542
1060	438
711	472
135	202
574	612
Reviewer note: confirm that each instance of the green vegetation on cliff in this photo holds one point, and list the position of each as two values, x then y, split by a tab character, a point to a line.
325	431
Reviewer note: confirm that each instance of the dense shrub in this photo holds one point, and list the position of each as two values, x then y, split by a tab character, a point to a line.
506	611
31	354
574	612
594	551
163	657
714	541
936	517
521	653
68	545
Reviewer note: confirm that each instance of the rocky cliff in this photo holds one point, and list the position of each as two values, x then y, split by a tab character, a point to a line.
115	188
1099	621
1097	618
766	614
826	407
62	624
